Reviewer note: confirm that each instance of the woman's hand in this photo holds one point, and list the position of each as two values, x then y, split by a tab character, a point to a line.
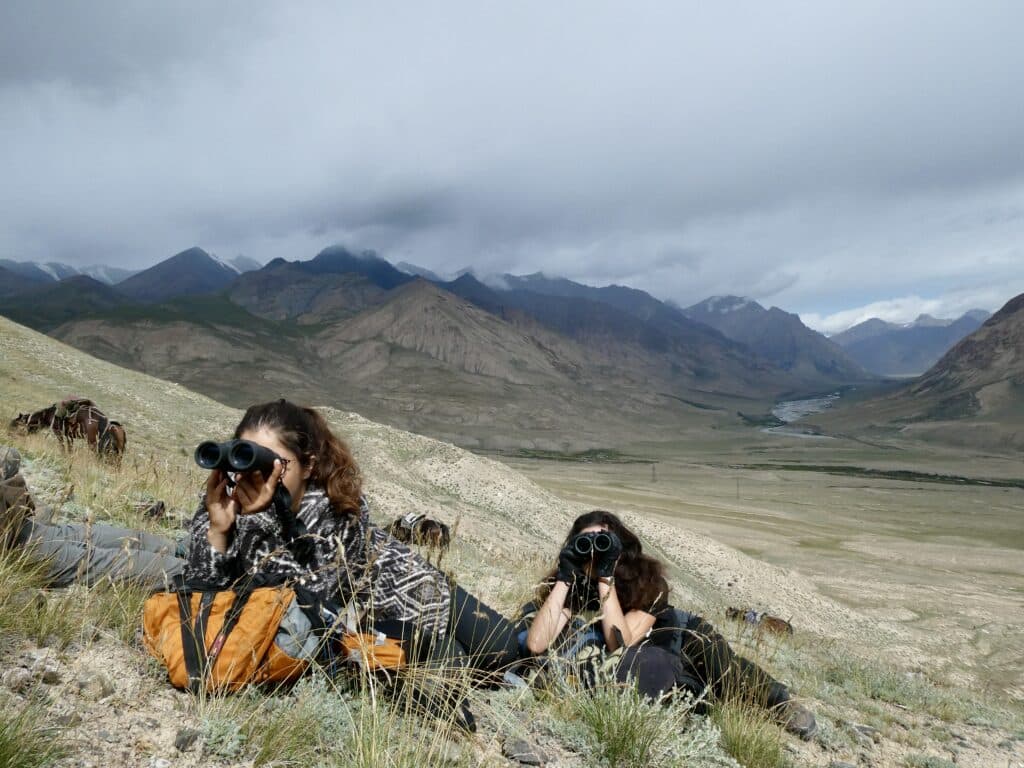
221	510
253	493
604	567
569	570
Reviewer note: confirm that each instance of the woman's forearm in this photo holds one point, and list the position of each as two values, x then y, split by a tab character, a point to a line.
612	617
549	621
219	541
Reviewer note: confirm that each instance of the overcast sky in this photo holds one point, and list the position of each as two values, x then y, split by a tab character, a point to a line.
840	160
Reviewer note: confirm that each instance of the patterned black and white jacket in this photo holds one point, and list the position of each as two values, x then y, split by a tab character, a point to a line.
349	559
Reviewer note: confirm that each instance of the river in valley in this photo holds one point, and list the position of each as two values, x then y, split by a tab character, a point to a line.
794	410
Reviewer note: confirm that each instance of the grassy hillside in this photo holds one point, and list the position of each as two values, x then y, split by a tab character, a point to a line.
92	693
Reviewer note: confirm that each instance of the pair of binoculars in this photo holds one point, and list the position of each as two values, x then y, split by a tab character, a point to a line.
235	456
593	544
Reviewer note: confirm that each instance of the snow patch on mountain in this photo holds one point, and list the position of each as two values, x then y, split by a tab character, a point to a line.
724	304
50	270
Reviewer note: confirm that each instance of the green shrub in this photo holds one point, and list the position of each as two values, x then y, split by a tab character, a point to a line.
625	729
749	735
24	743
928	761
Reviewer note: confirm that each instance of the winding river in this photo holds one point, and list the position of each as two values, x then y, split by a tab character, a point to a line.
794	410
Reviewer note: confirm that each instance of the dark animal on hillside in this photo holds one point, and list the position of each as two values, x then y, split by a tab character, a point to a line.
417	528
33	422
77	418
112	441
763	621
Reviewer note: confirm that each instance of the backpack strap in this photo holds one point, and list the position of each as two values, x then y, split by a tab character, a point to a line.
195	659
668	628
198	658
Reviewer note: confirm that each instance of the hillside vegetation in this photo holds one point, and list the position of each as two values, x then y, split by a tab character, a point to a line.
88	691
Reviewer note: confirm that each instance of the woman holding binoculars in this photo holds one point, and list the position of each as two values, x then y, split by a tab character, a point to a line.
304	517
606	605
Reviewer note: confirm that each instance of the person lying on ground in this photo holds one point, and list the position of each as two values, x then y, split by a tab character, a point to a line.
72	553
606	595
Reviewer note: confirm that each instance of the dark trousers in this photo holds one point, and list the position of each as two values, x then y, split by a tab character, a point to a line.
707	657
488	638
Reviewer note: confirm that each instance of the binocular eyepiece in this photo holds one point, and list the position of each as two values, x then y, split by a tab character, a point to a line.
593	544
235	456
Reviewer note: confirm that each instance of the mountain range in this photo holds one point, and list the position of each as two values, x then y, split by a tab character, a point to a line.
54	271
522	361
910	349
777	336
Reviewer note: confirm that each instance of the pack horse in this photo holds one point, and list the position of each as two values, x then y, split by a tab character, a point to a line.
76	418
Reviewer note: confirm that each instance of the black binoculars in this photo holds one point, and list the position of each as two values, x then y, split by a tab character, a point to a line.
236	456
593	544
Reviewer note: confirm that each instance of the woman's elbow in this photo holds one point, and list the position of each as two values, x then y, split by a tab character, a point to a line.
535	645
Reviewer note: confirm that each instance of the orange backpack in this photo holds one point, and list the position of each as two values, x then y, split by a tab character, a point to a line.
220	640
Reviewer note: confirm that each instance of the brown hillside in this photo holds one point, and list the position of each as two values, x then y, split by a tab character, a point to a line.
286	292
423	318
992	354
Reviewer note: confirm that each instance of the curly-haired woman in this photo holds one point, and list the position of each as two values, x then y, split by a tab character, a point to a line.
606	594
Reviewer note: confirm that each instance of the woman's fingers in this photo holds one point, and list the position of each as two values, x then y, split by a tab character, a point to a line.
244	495
254	493
220	507
216	489
215	483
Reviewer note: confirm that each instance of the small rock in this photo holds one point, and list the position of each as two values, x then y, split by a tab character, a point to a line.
524	753
840	764
105	736
17	679
95	687
69	720
159	762
50	675
10	462
185	738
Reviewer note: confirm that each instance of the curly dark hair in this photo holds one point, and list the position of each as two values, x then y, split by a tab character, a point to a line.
308	435
639	579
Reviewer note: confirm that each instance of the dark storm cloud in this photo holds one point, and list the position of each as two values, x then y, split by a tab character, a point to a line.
818	156
108	45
